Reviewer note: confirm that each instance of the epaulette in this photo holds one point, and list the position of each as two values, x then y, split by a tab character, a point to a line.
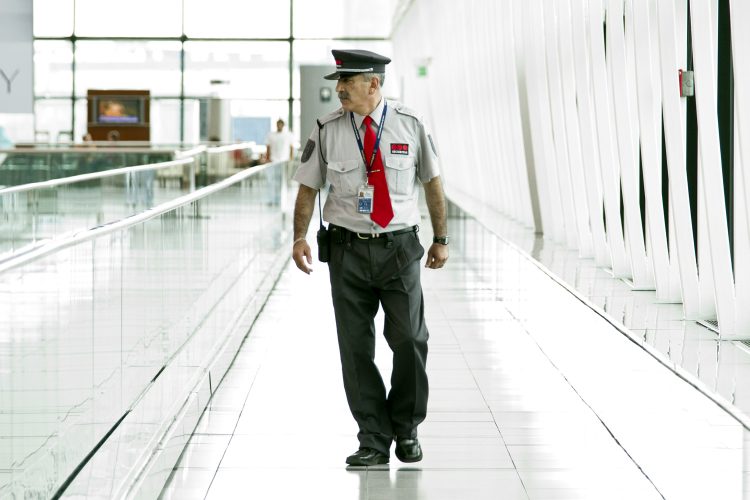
400	108
330	117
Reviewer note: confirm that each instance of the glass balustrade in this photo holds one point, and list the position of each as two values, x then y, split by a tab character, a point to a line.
104	335
32	214
35	213
23	166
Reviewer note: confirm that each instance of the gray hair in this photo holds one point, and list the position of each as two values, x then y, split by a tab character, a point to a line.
379	76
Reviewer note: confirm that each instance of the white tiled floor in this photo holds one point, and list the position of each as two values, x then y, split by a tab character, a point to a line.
514	412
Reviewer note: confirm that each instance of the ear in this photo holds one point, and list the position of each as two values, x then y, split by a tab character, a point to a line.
374	84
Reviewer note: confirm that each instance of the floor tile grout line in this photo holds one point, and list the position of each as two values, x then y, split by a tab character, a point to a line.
284	270
473	376
540	267
599	418
678	370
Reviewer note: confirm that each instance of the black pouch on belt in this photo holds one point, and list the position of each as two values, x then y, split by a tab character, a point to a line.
324	244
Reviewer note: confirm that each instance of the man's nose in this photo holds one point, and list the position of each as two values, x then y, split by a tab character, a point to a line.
339	86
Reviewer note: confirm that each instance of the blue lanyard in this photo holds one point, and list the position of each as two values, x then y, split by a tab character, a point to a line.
375	149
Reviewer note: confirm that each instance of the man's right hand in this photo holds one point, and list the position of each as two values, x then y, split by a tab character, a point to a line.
302	256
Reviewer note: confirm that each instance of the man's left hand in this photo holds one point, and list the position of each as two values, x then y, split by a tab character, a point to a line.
437	255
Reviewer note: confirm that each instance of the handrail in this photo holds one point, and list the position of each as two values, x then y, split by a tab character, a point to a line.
230	147
86	149
90	234
190	152
94	175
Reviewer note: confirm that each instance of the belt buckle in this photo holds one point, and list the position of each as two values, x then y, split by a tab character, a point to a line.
367	236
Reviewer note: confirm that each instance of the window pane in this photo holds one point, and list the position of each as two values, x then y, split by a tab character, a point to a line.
296	113
131	18
53	73
82	119
319	52
252	69
342	18
253	120
165	121
192	124
53	120
53	17
233	19
153	66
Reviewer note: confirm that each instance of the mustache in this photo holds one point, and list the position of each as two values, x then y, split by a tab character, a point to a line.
343	95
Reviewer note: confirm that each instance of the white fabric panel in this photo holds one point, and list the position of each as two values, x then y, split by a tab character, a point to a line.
674	131
704	49
740	15
587	126
554	83
608	162
539	117
621	96
649	107
573	136
512	115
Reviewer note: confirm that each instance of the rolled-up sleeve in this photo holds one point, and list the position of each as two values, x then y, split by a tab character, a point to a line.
310	172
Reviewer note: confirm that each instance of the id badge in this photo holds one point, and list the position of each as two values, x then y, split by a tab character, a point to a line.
365	194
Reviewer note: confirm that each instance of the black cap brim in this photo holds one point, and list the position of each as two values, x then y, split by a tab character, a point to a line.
336	75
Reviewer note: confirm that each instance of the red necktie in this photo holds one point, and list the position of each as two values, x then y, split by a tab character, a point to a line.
382	211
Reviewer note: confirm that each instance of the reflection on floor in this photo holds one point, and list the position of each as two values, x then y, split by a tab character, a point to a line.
533	396
721	369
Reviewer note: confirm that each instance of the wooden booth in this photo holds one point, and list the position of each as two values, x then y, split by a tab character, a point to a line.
119	115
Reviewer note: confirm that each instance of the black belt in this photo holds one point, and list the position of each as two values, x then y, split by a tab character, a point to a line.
369	236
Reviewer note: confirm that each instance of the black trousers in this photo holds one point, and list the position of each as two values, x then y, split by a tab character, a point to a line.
364	275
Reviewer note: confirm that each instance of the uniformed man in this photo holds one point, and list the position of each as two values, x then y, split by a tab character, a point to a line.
374	153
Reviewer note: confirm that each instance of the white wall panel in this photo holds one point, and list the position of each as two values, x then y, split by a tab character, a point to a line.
704	47
512	116
499	148
559	136
621	98
544	118
609	164
649	115
740	20
589	146
674	132
572	132
539	116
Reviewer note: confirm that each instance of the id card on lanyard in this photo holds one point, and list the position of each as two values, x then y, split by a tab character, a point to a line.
366	191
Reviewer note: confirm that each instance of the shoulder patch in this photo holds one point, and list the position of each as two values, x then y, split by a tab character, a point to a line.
330	117
309	148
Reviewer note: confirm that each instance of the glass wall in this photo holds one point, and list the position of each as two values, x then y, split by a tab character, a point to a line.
176	48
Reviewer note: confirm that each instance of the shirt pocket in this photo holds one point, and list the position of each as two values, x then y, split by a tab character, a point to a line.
344	176
400	174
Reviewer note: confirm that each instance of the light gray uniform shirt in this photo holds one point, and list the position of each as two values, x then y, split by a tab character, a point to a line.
409	157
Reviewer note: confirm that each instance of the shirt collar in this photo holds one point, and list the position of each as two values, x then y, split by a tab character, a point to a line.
375	115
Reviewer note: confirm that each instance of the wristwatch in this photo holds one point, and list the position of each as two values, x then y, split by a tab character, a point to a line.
443	240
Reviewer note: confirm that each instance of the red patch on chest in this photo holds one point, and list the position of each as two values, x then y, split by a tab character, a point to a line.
399	149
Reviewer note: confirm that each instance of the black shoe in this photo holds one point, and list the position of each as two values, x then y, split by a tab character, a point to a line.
367	457
408	450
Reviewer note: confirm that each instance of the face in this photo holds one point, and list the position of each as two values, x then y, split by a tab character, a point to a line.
354	92
279	126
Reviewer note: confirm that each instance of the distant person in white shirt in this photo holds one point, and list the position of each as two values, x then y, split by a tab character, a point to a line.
279	144
5	141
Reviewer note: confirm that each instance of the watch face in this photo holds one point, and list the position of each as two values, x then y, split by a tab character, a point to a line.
443	240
